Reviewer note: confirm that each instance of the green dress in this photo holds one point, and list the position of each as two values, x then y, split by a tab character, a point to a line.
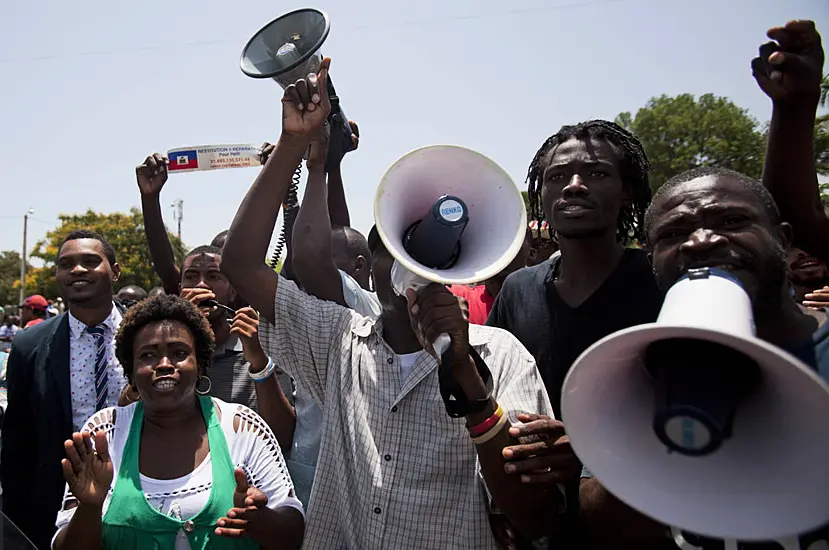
130	523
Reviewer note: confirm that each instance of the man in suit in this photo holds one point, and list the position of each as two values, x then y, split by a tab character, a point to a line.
59	373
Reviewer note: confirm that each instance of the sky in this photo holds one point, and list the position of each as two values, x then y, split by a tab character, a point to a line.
89	89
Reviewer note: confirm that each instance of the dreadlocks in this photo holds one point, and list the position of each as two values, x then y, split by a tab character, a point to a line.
633	164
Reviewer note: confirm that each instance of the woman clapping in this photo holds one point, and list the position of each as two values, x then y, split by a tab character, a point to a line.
177	470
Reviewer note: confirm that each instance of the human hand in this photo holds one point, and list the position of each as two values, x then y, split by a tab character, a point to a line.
548	460
249	503
433	311
197	295
88	471
266	150
152	174
339	147
305	105
817	299
791	67
245	325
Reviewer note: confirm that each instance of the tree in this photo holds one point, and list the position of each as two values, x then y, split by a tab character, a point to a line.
824	91
124	231
10	277
680	133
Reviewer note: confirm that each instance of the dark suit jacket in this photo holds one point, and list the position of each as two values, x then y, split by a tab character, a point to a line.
38	420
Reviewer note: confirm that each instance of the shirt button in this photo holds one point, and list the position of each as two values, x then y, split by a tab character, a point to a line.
377	510
389	360
189	526
394	409
387	458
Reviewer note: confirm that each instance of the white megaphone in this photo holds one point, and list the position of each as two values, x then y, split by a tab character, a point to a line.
697	423
448	215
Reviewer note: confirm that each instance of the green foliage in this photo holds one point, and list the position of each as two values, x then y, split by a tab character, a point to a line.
822	145
10	277
824	91
680	133
124	231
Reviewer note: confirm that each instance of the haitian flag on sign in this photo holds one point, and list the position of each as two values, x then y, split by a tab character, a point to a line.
184	160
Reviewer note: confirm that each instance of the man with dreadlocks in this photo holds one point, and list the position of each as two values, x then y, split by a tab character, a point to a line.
590	182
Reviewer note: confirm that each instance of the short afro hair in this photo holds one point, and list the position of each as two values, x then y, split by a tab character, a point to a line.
749	183
109	252
163	308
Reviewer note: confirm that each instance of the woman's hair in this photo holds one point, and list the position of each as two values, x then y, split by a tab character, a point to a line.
633	163
163	308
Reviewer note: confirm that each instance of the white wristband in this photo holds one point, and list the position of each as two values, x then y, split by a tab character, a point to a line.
263	374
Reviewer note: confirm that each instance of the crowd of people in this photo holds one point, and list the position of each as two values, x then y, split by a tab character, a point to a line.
238	407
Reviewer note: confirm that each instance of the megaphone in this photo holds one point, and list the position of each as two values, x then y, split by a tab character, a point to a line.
448	215
288	49
697	423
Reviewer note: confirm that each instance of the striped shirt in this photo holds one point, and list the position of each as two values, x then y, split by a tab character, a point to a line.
394	471
229	375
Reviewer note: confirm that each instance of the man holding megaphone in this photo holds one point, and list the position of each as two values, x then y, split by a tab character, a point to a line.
767	478
395	471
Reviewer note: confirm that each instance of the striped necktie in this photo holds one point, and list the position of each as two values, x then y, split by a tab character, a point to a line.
101	363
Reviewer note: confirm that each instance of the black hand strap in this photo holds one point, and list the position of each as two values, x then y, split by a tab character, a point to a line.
456	402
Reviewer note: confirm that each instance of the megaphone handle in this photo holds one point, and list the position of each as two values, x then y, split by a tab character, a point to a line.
441	344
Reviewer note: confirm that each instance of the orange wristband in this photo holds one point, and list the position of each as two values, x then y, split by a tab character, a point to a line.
486	425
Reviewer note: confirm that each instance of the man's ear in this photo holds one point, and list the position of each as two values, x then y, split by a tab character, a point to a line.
783	234
360	263
231	295
116	272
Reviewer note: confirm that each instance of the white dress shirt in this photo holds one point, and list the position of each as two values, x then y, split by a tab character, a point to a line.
82	367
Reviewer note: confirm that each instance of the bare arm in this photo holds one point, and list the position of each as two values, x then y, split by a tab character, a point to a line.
83	531
313	265
282	528
251	230
790	174
247	243
337	205
151	176
529	509
609	523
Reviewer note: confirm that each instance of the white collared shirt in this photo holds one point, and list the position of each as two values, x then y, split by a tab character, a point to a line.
394	470
82	367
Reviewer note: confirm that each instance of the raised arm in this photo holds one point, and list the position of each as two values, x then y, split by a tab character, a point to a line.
313	264
789	71
151	176
337	205
303	107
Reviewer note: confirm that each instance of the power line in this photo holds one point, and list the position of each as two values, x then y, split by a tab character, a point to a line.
383	26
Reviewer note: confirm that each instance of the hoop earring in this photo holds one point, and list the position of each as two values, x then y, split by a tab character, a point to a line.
209	385
129	394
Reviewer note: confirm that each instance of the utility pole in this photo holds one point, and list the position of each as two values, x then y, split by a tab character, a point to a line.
23	256
178	214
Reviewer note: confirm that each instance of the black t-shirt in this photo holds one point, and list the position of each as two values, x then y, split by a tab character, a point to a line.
530	307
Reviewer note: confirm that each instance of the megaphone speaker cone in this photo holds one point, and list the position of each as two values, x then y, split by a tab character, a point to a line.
453	191
287	48
767	480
